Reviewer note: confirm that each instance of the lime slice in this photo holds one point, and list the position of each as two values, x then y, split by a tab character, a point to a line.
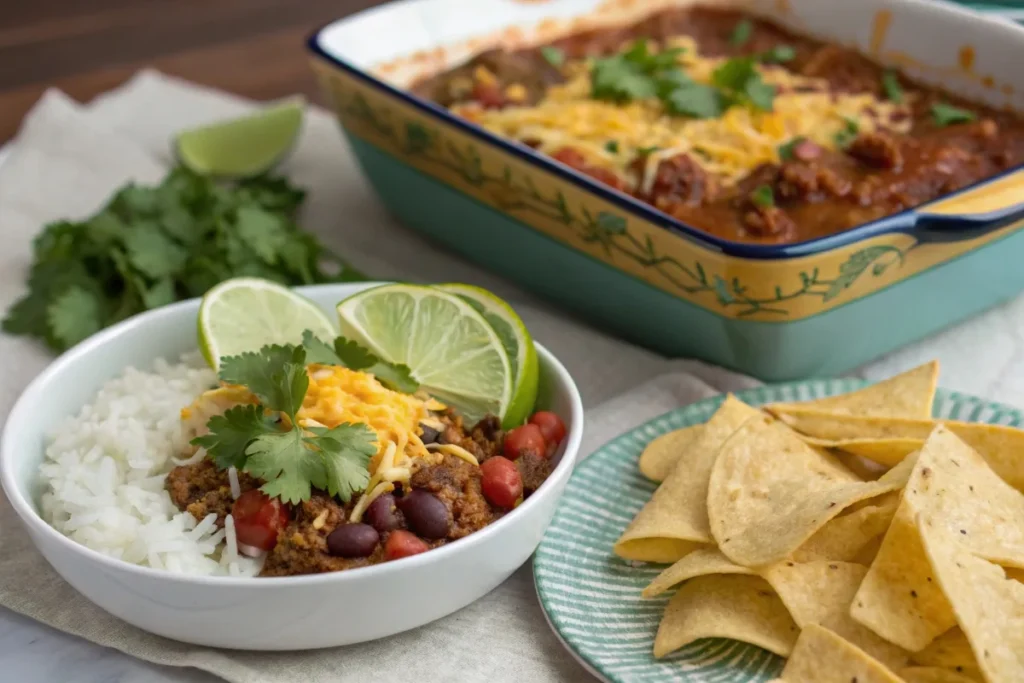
452	351
517	342
242	147
247	313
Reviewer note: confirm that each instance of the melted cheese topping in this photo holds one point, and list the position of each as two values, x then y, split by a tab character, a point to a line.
729	147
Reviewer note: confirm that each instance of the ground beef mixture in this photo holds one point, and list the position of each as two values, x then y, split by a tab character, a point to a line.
443	502
203	488
816	192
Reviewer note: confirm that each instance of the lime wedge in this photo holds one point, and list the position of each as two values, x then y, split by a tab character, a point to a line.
452	351
247	313
242	147
517	342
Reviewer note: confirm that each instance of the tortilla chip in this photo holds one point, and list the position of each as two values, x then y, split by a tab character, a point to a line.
846	537
722	606
866	469
674	521
820	593
999	445
909	394
933	674
769	492
899	598
950	651
885	452
988	606
821	656
661	455
700	562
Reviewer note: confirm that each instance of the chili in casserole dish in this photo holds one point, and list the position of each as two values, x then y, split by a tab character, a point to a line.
733	124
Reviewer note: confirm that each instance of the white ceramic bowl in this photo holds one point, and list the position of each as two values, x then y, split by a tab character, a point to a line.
289	613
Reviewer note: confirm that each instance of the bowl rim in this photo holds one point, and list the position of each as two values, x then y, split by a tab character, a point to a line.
901	222
35	392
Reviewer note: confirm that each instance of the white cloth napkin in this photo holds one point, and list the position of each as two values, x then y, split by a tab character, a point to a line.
67	160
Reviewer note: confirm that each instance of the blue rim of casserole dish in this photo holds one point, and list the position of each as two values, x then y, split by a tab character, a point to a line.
902	222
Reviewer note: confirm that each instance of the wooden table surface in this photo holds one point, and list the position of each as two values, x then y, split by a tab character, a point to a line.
255	48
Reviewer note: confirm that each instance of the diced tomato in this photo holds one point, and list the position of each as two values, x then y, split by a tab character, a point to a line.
489	95
551	427
574	159
403	543
258	518
500	481
525	438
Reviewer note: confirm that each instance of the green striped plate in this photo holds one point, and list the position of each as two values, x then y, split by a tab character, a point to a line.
592	598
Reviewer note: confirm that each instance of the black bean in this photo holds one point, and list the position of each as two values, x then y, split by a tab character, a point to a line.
425	514
429	434
353	540
382	514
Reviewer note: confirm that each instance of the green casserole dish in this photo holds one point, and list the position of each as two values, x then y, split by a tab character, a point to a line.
777	311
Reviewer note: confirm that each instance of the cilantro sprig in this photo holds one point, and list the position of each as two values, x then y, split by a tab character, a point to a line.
946	115
294	461
350	354
639	74
151	246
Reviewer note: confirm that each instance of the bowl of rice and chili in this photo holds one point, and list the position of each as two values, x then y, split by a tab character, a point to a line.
294	477
732	181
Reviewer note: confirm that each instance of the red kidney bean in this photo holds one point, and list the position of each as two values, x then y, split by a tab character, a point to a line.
382	514
353	540
425	514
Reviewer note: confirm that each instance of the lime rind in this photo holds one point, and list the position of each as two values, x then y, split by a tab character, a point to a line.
451	349
245	314
243	147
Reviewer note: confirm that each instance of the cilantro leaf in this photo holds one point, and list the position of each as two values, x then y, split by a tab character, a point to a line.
947	114
291	469
553	55
231	433
763	196
318	351
612	146
778	54
346	451
760	94
891	86
786	150
276	375
261	231
696	100
352	355
740	80
741	34
848	134
617	79
74	315
152	252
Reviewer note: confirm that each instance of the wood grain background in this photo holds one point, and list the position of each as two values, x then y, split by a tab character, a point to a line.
252	47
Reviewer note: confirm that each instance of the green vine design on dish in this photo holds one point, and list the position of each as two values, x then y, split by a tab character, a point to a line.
609	231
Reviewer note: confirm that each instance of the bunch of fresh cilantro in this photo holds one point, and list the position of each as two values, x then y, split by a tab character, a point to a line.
151	246
294	461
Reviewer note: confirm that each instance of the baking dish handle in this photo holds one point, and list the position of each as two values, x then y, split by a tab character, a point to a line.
973	213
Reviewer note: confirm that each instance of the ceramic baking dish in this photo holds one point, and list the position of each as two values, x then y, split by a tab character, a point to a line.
819	307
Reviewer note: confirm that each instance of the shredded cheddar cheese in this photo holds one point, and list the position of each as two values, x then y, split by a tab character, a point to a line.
730	146
452	449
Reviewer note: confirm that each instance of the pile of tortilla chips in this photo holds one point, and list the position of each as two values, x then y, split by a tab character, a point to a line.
854	535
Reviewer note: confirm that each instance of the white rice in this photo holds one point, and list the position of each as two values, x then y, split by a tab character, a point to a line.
104	475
